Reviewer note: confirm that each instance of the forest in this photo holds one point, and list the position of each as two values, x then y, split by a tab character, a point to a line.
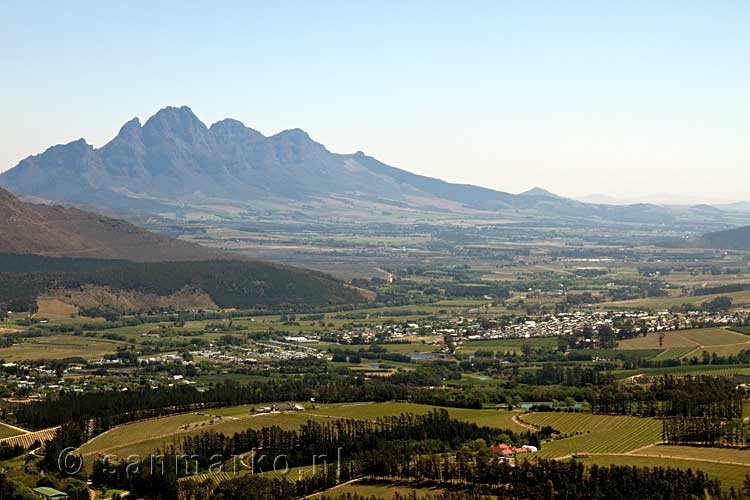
230	284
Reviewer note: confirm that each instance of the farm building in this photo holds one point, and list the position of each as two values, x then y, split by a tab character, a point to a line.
50	493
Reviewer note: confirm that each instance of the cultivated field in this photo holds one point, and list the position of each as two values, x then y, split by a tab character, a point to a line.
664	303
502	419
149	435
55	309
595	433
726	455
144	437
7	431
379	490
729	475
717	370
59	347
688	343
508	345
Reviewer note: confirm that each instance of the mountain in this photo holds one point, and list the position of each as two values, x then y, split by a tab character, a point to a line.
175	160
27	228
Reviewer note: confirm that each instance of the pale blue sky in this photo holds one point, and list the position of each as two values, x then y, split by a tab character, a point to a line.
624	98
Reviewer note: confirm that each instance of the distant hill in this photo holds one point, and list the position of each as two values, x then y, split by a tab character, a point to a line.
58	231
175	160
734	239
729	239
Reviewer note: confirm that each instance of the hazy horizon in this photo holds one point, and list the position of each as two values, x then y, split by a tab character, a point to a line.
624	100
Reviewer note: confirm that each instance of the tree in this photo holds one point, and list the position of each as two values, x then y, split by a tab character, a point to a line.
719	304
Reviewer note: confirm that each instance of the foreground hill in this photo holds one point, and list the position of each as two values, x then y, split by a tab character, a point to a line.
58	231
111	263
134	286
174	160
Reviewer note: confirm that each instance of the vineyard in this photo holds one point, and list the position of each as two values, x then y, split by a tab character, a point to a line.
725	455
26	440
595	433
7	431
714	370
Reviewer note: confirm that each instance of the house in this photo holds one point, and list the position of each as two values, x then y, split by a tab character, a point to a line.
502	449
581	454
530	448
49	493
288	407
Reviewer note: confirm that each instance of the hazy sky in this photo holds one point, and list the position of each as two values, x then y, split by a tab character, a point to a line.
625	98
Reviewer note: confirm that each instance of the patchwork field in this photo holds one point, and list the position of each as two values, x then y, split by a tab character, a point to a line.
144	437
595	433
688	343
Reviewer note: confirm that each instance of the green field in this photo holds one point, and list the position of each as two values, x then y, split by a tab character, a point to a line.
729	475
58	347
7	431
595	433
491	418
728	455
718	370
509	345
664	303
384	490
141	438
146	436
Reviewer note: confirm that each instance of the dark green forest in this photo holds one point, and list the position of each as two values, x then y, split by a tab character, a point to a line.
231	284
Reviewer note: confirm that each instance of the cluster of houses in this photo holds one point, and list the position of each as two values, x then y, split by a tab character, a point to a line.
469	328
280	407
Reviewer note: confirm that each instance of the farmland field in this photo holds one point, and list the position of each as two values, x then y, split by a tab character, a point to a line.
729	475
141	438
595	433
718	370
664	303
379	490
491	418
509	345
55	309
734	455
7	431
58	347
684	343
148	435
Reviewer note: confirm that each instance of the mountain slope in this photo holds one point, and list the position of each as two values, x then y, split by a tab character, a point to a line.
174	160
58	231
